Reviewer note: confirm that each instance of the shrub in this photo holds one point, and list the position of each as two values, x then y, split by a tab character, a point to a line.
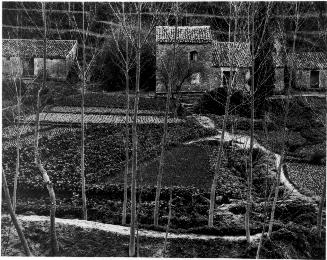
318	157
213	102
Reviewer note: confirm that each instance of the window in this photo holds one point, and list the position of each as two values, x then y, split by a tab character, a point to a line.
314	79
28	67
227	77
193	56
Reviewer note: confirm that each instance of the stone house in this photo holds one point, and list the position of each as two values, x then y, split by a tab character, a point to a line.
216	61
310	67
310	70
231	61
24	58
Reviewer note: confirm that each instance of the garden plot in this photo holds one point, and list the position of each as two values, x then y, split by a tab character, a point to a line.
11	131
100	119
100	110
28	140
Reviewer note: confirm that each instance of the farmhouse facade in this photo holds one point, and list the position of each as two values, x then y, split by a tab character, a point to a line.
203	63
24	58
310	70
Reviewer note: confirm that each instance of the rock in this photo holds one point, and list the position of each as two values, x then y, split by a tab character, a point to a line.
28	213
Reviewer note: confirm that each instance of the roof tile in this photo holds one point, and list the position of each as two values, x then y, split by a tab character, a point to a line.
308	60
226	54
34	48
185	34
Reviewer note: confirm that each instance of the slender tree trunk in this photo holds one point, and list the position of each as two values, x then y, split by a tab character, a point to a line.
218	163
321	206
134	135
38	163
220	150
165	133
250	173
83	128
169	219
13	216
18	141
323	194
126	127
272	215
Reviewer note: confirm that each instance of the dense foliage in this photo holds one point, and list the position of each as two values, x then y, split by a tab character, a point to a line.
213	102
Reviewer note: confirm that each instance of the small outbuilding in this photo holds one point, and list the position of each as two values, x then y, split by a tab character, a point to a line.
310	70
231	61
24	58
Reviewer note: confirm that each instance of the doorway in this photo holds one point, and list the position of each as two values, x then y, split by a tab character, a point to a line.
314	79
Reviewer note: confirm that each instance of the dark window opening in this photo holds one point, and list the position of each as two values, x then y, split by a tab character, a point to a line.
28	67
193	56
227	77
314	79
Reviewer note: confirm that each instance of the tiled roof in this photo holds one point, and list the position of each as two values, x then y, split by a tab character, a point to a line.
34	48
308	60
185	34
226	54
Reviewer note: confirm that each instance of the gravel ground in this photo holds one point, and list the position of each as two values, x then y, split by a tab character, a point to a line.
100	119
307	178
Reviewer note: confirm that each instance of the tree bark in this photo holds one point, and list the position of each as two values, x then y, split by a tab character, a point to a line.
13	216
218	164
126	127
18	143
250	173
321	206
38	163
169	219
134	135
83	128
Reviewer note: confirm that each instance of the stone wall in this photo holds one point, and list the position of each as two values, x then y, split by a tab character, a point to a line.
302	80
56	68
279	79
12	66
323	79
183	50
239	78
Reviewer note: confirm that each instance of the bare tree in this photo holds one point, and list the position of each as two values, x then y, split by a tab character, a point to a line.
38	163
171	68
13	216
134	132
222	138
284	132
82	124
122	55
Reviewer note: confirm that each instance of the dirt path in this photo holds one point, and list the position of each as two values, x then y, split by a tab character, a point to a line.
243	142
125	231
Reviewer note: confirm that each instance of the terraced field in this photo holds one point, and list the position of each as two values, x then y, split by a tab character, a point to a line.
99	119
